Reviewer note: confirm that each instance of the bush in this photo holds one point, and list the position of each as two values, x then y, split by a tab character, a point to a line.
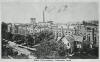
43	35
18	38
50	49
29	40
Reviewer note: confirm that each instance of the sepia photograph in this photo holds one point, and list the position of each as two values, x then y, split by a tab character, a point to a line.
49	30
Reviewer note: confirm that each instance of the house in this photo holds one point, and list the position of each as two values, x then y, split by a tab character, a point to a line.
68	41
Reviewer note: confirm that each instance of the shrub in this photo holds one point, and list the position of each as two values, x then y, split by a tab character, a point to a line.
43	35
50	49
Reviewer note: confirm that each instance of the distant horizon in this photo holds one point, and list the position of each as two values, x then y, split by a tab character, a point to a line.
56	23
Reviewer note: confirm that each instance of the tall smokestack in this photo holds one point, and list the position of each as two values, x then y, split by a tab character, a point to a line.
43	16
44	13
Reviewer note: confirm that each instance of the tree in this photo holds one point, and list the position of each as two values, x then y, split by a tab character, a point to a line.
4	30
43	35
50	49
29	40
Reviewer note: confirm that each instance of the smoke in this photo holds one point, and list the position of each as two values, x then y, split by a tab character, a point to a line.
57	9
62	8
49	8
65	7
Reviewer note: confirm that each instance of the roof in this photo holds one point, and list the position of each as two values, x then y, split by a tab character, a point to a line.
78	38
70	38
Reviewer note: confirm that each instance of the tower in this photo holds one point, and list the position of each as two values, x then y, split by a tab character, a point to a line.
33	21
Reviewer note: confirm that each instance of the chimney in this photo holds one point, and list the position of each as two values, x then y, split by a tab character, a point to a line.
33	20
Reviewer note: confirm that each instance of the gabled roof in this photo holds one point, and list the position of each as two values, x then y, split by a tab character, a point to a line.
70	39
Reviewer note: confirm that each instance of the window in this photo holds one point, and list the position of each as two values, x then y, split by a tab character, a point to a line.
68	44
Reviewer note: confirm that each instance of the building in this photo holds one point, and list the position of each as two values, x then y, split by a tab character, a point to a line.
9	29
92	28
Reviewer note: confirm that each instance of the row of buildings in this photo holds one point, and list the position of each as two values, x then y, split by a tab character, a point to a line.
84	32
29	28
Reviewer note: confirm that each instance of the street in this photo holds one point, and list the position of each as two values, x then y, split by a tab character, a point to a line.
15	51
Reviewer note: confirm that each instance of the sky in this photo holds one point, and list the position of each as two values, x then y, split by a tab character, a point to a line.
59	12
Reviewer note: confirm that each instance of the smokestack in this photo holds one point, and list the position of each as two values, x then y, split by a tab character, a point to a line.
43	17
44	13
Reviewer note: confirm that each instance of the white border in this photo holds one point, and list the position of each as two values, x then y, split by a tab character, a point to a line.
45	60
